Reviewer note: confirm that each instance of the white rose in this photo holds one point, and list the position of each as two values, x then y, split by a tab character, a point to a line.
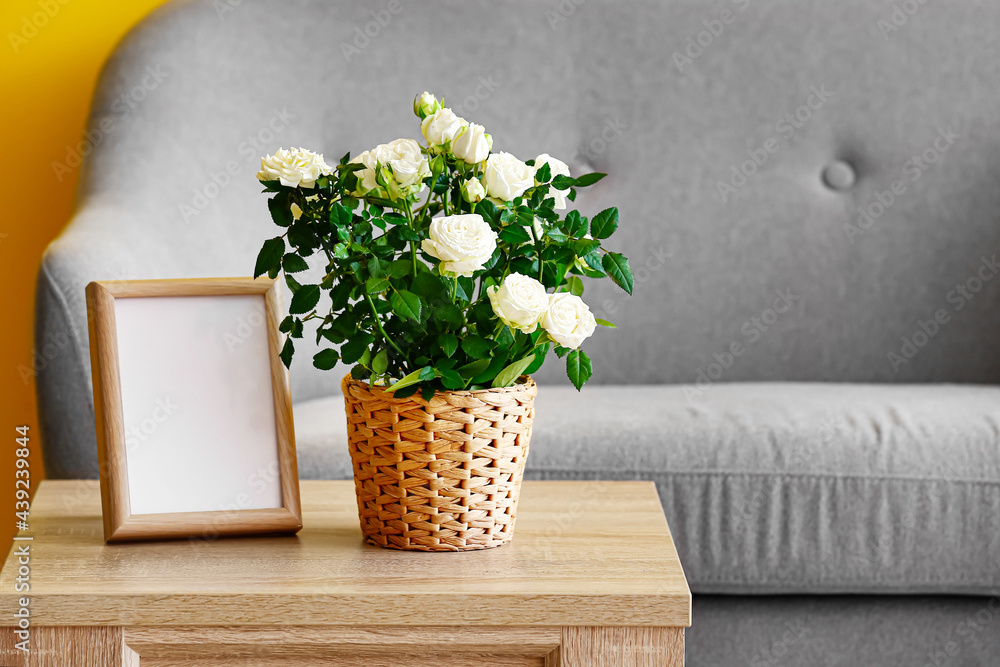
294	168
519	302
441	127
425	105
409	165
463	243
556	168
506	177
473	191
403	167
472	144
568	321
366	177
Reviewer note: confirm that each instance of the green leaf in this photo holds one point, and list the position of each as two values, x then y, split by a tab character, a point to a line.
427	285
280	208
406	304
325	359
304	300
474	368
451	379
406	392
561	182
286	353
340	216
539	360
575	285
515	235
604	223
562	351
593	260
411	379
476	347
544	173
605	323
616	264
575	224
427	373
292	263
448	343
286	324
400	268
376	285
489	212
578	368
380	363
588	179
557	235
509	375
270	256
356	347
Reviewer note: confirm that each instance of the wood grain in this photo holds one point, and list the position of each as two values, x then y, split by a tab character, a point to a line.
69	647
585	553
119	523
395	660
622	647
304	642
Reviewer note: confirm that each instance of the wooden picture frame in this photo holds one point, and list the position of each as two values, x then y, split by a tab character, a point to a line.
212	347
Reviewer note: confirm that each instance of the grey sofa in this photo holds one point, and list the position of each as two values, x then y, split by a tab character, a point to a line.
808	369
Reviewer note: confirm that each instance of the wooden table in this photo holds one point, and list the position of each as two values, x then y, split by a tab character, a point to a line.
591	579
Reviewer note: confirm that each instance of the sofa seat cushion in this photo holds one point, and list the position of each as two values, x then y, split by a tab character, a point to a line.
777	487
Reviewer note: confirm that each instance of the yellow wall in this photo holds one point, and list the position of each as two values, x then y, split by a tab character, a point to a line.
50	55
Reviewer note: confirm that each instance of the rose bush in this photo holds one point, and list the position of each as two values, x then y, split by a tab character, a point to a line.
447	266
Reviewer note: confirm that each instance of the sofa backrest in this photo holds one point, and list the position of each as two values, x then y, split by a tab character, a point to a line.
807	189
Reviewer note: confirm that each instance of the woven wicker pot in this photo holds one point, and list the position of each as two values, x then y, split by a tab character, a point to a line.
438	475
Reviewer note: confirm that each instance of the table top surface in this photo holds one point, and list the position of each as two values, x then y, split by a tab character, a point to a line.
583	553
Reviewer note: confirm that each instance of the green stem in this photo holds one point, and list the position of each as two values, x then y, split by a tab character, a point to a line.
378	323
538	251
413	247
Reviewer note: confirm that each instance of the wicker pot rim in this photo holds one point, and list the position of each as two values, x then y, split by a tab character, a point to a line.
524	383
